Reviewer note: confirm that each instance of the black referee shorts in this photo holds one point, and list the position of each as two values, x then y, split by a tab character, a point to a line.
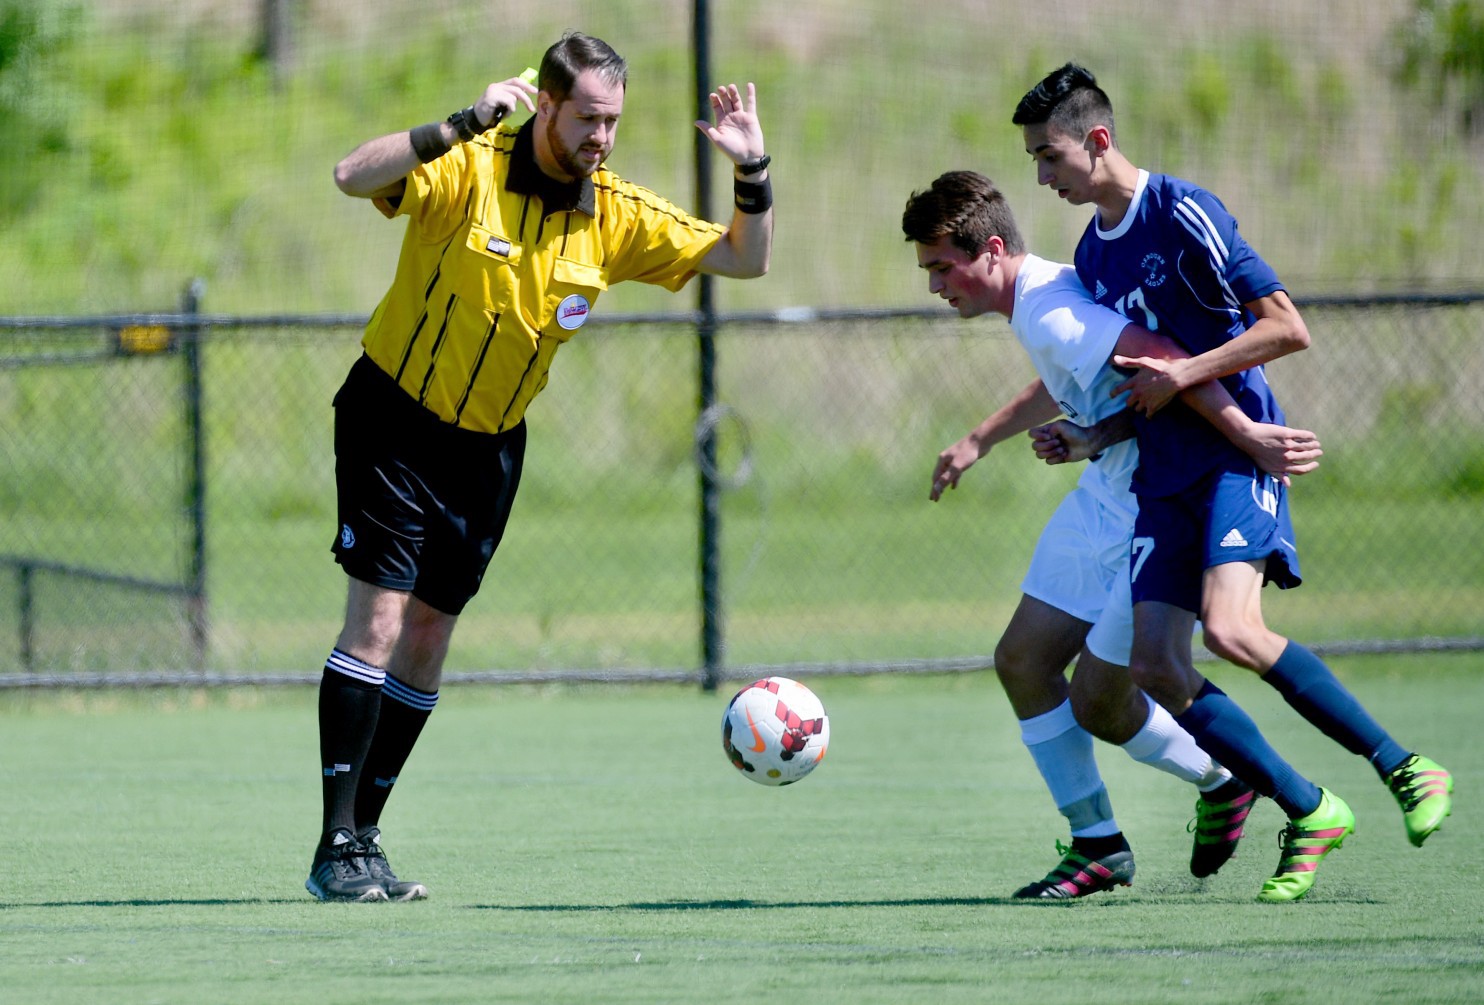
422	504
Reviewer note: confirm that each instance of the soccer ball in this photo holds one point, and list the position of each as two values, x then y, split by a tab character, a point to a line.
775	731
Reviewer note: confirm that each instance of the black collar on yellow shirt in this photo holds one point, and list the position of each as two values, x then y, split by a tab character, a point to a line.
526	178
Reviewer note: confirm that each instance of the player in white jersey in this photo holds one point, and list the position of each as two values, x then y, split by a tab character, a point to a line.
1076	603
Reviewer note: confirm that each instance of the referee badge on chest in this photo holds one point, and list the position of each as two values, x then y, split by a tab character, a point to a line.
572	312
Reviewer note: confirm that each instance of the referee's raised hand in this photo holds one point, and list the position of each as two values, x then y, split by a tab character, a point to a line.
736	132
499	98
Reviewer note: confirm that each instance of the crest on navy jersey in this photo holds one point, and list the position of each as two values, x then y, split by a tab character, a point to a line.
1153	265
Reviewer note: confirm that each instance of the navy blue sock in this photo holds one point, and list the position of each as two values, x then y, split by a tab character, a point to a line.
1306	683
1228	734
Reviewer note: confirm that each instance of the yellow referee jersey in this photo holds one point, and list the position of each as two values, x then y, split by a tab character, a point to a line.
501	265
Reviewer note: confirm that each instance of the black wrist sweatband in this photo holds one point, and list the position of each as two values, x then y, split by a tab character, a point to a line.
753	196
429	143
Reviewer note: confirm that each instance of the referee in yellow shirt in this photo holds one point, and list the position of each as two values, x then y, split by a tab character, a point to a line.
512	235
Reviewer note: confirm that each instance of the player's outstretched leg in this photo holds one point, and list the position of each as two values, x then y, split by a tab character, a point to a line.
1219	816
1305	842
1424	790
339	871
381	870
1089	865
1223	802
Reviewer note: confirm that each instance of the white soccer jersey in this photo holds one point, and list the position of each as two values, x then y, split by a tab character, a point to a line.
1070	340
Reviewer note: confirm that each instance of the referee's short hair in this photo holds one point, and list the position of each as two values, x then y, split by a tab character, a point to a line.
966	208
573	53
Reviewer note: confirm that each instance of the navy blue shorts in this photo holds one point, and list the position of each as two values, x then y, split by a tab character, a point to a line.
422	504
1228	516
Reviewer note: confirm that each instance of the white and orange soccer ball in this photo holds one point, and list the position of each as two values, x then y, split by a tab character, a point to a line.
775	731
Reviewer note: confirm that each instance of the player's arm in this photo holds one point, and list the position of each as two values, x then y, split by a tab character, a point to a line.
378	169
1281	451
1278	450
744	251
1065	442
1032	406
1278	331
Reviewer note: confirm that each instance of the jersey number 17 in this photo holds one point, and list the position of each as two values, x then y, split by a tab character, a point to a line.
1134	300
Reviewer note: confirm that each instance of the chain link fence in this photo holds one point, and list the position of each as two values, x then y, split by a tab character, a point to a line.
166	481
169	499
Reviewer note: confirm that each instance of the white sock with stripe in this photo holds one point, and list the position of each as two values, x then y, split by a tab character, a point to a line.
1062	750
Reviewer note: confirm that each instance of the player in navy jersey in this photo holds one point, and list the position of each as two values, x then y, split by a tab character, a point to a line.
1075	603
1212	529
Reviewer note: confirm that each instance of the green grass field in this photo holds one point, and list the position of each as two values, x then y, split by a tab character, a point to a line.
593	845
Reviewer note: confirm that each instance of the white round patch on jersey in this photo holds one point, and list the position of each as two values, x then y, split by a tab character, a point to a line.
572	312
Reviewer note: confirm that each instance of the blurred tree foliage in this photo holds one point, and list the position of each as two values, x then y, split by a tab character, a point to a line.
32	122
1443	52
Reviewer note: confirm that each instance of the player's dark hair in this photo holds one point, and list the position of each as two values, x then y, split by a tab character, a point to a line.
966	208
573	53
1069	100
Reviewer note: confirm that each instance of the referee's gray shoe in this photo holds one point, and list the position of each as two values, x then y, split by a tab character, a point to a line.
381	870
339	871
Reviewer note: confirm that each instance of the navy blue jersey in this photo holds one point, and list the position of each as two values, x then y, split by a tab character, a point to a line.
1177	265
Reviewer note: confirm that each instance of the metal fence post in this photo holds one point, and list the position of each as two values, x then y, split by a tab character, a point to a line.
190	346
713	642
26	601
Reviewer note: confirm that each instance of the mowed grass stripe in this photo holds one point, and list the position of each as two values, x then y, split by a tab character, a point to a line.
592	844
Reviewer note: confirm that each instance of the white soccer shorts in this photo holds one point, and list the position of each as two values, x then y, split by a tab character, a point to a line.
1080	566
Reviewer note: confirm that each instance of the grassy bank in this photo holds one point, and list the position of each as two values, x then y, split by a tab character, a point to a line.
154	147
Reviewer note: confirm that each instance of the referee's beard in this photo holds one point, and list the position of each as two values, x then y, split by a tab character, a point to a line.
566	158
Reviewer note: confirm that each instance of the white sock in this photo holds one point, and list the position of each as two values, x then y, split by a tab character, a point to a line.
1165	745
1062	751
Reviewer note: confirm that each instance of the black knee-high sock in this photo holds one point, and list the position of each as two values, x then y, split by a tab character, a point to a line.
404	712
349	703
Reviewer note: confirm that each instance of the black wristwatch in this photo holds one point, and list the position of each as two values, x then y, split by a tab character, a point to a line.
466	123
753	167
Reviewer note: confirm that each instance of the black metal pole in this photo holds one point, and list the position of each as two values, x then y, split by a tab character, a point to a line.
276	38
190	347
712	636
27	602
